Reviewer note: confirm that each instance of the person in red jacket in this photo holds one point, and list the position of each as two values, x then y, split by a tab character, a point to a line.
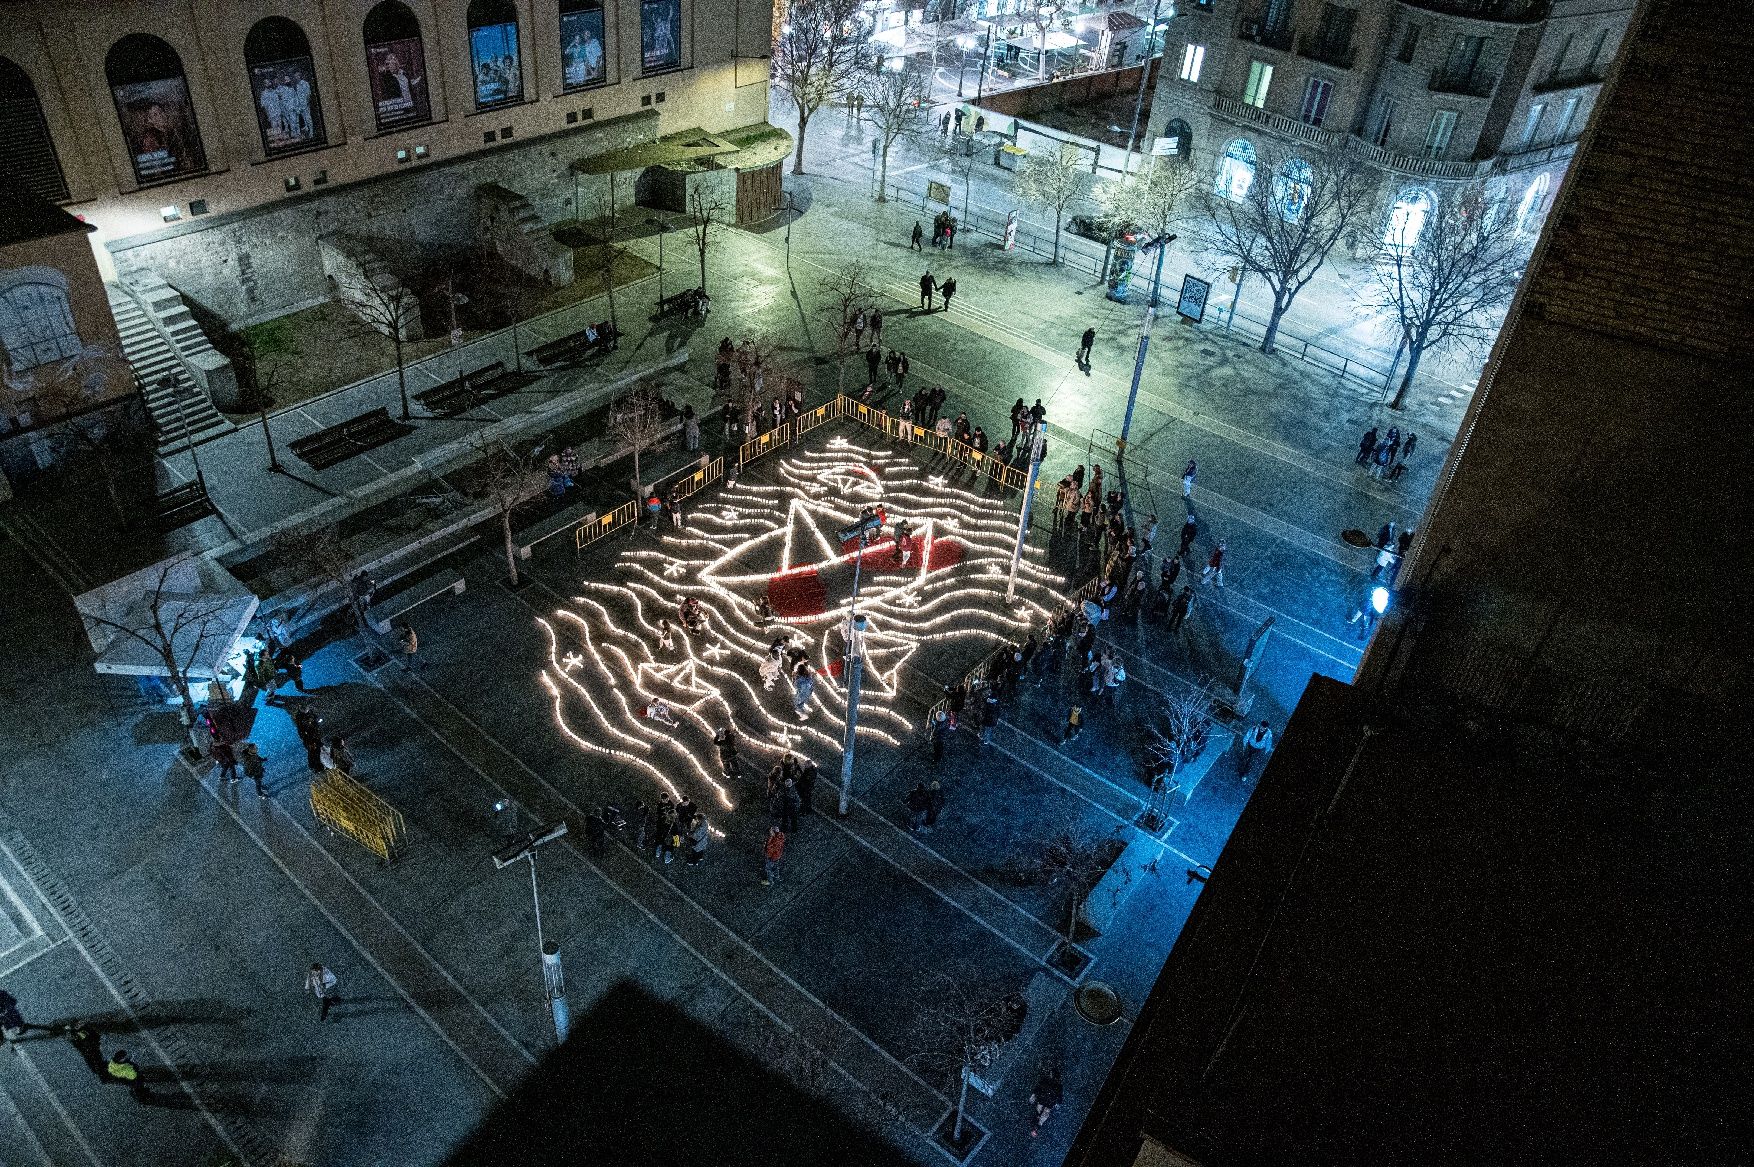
771	855
1214	572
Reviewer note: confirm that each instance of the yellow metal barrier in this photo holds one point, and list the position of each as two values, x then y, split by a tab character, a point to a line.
589	533
766	443
345	806
700	479
811	418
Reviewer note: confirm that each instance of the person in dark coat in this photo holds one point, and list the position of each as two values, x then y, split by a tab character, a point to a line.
927	286
807	776
948	288
1178	611
934	804
873	359
1085	343
918	802
1190	530
310	732
1366	447
914	240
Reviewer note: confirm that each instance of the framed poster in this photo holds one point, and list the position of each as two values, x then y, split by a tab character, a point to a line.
399	91
660	34
938	192
158	124
499	74
581	47
1192	304
287	110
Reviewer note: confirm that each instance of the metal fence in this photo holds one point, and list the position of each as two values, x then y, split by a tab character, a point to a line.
1292	345
348	808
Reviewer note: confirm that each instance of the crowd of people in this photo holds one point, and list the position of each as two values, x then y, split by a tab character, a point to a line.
1384	454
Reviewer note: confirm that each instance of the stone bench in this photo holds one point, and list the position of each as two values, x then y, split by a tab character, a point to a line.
558	523
1043	995
385	613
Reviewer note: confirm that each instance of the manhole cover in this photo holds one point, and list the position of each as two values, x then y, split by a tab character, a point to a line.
1097	1004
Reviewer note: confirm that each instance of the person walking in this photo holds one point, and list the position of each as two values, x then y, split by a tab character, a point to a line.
697	835
1190	530
1254	743
1085	343
121	1069
948	287
934	805
1214	572
408	644
918	801
771	855
310	733
1178	611
85	1041
1188	480
1366	447
1074	723
727	746
927	286
803	685
226	758
1045	1098
250	757
913	242
321	984
790	803
876	322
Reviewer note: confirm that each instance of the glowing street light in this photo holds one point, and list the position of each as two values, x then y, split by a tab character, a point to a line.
525	847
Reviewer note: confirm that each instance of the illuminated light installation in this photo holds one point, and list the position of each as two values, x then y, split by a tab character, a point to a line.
607	653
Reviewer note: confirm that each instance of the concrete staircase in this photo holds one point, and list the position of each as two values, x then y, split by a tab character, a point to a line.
180	410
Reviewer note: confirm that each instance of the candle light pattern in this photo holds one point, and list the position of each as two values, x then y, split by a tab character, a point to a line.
605	663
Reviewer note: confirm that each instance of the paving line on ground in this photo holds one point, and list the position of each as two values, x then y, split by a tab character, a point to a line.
95	950
670	888
360	947
55	1104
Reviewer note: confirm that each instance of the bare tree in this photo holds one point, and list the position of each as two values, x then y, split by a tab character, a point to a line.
895	105
816	56
1054	181
1283	223
960	1023
1447	286
1074	863
760	371
704	222
91	443
321	556
637	421
177	626
847	292
1043	18
382	299
958	154
506	481
1179	734
1156	199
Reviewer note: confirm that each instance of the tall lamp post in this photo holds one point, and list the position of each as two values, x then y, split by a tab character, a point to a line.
1161	243
1037	447
862	531
524	847
663	230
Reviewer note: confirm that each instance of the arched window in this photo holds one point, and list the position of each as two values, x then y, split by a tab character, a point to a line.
36	322
1407	218
1178	140
493	53
1236	170
581	44
1534	201
1291	186
284	83
396	59
30	150
152	100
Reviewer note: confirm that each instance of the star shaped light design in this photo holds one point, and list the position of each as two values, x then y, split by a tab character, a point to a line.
675	569
572	661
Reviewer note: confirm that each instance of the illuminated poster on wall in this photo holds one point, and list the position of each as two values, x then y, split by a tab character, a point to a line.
287	109
158	123
660	34
499	76
581	48
398	72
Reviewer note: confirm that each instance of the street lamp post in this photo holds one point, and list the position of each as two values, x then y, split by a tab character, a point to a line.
862	531
524	847
986	55
1037	447
1161	243
663	230
1144	72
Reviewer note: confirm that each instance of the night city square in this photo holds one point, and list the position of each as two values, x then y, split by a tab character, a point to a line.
873	581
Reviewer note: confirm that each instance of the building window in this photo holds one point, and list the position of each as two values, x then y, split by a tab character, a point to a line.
1437	134
1458	68
1409	44
581	44
1534	201
1381	122
283	81
1567	115
1559	57
36	322
1177	141
1334	33
1315	100
1597	66
1532	123
1292	187
1236	171
1193	58
395	57
1407	219
1260	77
157	115
1278	16
493	53
660	34
25	137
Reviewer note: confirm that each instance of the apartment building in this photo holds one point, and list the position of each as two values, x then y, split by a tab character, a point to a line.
1431	93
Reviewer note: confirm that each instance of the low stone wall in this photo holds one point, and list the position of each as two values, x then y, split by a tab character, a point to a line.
360	279
506	222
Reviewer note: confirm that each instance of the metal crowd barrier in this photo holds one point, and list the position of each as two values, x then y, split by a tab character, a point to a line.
348	808
604	524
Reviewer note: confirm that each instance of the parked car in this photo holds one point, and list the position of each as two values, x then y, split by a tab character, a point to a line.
1102	229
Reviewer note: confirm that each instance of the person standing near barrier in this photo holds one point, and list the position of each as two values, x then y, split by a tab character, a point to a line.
321	984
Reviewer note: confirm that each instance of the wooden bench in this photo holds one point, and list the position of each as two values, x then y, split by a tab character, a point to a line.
181	505
687	302
556	524
474	388
328	447
577	346
384	613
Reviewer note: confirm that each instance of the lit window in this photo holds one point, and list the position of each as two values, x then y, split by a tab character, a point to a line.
1567	115
1532	123
36	323
1437	135
1407	219
1260	77
1236	171
1193	57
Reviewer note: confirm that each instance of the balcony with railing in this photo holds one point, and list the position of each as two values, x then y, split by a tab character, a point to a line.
1569	79
1415	164
1498	11
1478	83
1243	112
1328	52
1267	36
1533	156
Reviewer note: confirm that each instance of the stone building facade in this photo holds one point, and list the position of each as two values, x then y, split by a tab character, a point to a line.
1433	94
212	140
